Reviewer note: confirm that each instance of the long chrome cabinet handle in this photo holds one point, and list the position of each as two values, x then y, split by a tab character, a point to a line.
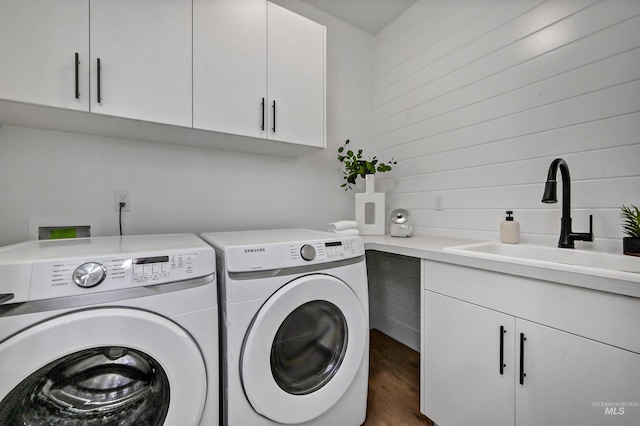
77	67
5	297
262	106
502	364
522	373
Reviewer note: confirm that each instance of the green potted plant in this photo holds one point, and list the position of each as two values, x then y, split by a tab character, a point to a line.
631	226
355	164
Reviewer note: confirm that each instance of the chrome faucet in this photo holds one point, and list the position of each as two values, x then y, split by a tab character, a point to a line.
567	236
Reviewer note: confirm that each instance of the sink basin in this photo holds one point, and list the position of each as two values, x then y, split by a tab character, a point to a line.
608	265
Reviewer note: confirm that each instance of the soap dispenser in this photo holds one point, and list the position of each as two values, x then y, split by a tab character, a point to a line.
509	229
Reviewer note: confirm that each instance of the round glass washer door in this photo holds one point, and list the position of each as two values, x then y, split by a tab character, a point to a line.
303	349
126	365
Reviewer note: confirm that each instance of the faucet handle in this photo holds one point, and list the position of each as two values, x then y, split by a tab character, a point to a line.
582	236
589	236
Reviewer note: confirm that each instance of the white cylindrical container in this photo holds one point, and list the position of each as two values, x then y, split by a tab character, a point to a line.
509	230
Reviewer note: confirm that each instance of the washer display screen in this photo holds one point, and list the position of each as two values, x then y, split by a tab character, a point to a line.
154	259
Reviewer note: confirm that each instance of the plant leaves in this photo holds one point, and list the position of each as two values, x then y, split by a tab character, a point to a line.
630	220
355	165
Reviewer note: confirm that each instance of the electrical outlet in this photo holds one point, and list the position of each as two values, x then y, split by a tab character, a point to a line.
122	196
438	202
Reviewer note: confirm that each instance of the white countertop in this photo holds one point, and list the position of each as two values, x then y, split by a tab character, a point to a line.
432	248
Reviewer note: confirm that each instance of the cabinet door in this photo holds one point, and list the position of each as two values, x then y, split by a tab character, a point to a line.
39	41
571	380
296	77
463	384
144	49
230	66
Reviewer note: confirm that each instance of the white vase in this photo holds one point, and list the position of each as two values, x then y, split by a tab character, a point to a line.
370	209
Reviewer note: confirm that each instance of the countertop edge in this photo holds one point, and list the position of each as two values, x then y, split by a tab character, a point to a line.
432	248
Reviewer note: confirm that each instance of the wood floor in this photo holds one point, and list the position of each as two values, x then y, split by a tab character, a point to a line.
394	384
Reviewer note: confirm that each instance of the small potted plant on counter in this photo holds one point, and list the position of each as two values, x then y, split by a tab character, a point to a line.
356	165
370	205
631	226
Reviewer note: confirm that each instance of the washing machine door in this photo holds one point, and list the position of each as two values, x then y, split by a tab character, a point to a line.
303	349
102	366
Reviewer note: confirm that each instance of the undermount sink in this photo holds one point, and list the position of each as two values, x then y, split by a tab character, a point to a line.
608	265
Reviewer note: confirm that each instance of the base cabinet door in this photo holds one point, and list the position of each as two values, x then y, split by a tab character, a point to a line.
550	376
465	381
44	52
571	380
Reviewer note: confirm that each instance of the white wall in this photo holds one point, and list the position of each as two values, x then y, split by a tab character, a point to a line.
71	177
475	99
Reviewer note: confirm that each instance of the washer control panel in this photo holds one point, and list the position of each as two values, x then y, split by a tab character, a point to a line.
289	255
61	278
323	250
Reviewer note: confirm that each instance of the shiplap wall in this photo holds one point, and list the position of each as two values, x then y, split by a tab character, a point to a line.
394	296
476	98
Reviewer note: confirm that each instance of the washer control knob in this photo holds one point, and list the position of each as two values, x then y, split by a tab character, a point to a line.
308	252
89	274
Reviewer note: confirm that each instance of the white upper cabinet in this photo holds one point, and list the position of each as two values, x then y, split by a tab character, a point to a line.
144	51
238	67
296	78
39	43
230	66
258	70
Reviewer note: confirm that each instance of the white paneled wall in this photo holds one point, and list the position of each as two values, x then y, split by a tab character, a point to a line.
475	99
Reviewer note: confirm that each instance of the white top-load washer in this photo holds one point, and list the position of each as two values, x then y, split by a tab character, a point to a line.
109	330
294	327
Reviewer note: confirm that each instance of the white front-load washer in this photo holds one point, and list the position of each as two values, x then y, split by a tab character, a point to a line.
294	327
109	331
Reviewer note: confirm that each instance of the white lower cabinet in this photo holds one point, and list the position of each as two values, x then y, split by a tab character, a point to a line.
501	365
462	376
571	380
